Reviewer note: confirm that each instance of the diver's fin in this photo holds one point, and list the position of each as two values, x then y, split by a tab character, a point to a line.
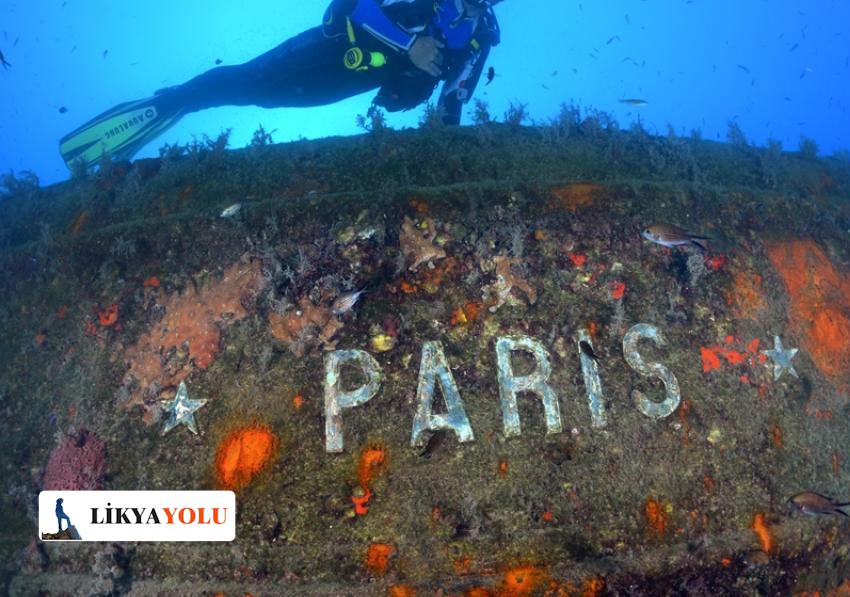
118	133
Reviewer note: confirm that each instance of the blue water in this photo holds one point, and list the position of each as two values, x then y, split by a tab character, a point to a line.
779	68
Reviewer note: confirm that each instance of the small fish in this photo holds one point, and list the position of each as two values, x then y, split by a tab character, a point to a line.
671	236
815	504
344	303
587	349
105	52
491	73
63	109
633	101
437	439
231	211
743	68
218	61
3	61
612	39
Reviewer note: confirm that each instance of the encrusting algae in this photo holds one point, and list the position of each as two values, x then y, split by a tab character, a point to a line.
378	557
656	518
762	532
243	454
746	296
108	316
575	196
188	335
521	581
713	357
373	461
820	303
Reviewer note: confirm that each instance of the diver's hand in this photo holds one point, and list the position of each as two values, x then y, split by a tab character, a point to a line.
425	54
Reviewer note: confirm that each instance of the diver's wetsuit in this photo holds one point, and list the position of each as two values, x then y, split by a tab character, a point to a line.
361	45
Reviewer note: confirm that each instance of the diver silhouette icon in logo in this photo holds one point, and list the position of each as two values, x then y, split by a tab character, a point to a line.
60	515
69	534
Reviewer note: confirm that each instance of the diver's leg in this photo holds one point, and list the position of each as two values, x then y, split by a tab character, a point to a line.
306	70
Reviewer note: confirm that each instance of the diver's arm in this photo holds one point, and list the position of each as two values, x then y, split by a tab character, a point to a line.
423	50
368	15
459	89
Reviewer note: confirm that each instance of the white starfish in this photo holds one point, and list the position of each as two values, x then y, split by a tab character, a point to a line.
180	410
781	358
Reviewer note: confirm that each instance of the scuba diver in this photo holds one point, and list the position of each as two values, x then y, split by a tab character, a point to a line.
403	48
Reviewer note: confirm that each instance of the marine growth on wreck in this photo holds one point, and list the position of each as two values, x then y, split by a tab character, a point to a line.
528	398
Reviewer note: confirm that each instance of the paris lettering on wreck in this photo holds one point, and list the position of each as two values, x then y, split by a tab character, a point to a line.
434	369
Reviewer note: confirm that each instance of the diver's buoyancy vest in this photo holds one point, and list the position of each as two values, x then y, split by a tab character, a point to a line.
439	18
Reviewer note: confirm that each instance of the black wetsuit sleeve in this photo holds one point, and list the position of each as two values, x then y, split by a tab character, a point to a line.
459	88
461	82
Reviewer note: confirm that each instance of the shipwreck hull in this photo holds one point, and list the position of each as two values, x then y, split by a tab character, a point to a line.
118	287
